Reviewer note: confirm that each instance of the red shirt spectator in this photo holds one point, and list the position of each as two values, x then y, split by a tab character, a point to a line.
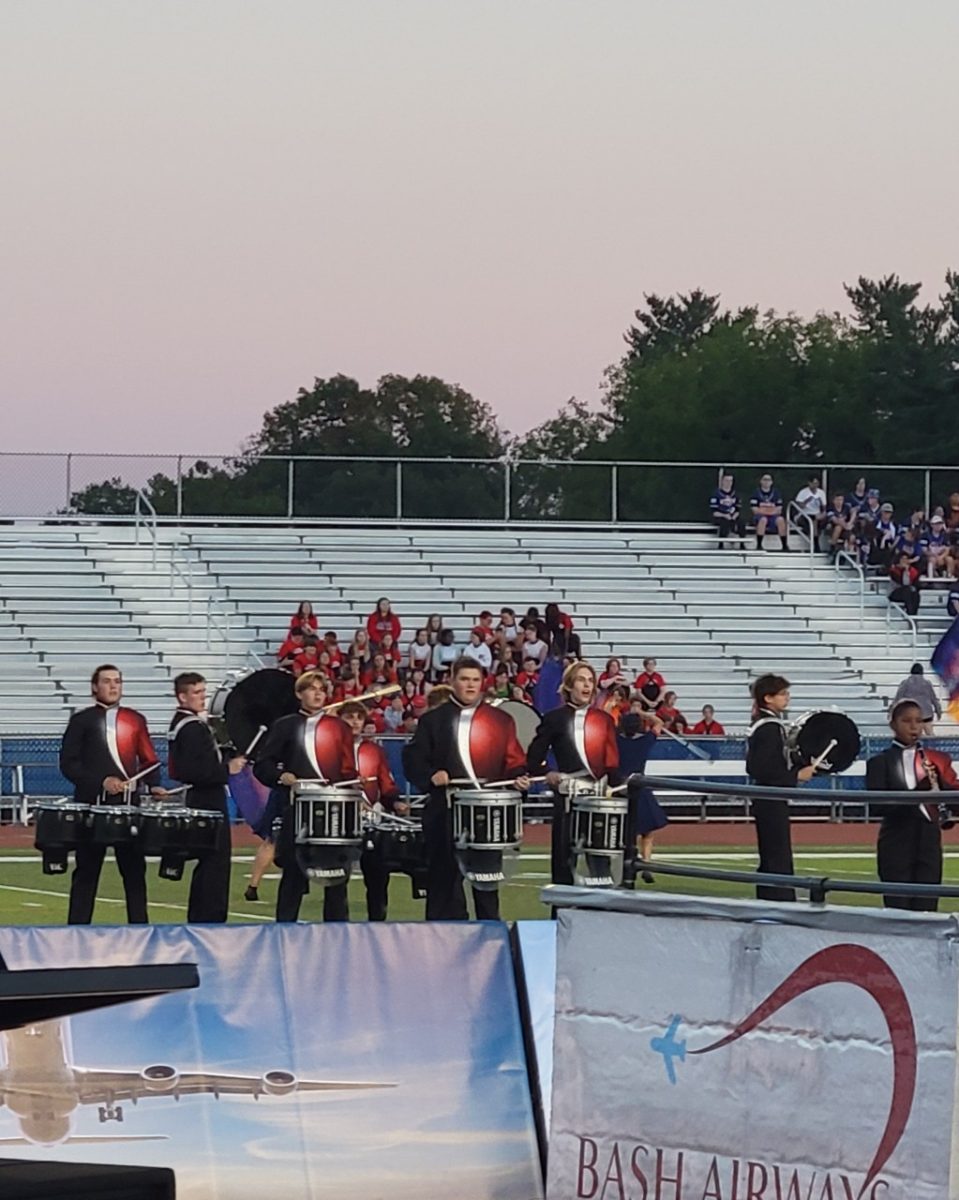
303	618
484	627
650	684
383	620
308	659
528	678
293	646
379	674
708	726
360	648
391	652
332	646
612	677
670	715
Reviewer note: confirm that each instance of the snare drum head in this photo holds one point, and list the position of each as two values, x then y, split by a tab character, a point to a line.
488	796
259	698
525	718
813	731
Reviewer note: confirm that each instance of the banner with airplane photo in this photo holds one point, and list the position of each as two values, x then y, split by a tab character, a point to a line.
705	1055
315	1061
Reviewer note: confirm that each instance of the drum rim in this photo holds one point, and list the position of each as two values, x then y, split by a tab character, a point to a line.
340	792
512	796
358	841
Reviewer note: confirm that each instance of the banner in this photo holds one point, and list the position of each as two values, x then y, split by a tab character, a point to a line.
314	1061
701	1054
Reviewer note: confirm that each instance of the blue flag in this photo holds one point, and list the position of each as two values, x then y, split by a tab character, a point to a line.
546	694
945	662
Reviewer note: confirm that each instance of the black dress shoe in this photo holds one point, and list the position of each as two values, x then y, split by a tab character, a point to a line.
251	894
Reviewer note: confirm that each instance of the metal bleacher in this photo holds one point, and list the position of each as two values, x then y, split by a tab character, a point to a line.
212	597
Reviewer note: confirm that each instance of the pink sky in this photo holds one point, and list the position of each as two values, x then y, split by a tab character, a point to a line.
206	203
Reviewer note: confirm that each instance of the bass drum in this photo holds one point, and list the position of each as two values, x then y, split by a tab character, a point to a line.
810	735
525	718
243	703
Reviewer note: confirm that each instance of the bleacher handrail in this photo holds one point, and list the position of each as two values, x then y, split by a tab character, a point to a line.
145	517
844	556
795	516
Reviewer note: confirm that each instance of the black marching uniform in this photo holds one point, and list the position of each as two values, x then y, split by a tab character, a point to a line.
769	763
309	747
196	759
583	742
381	792
909	849
472	742
99	742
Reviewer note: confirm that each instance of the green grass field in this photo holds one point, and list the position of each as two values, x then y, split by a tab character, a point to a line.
28	897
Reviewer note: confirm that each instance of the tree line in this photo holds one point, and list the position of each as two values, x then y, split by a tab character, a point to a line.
697	382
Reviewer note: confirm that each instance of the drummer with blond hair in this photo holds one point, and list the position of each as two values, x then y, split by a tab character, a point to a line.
582	740
309	744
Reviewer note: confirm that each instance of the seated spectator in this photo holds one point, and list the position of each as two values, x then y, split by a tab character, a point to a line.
370	729
908	545
332	646
726	512
506	659
303	618
952	511
444	655
308	658
884	539
499	686
857	498
383	620
936	550
420	651
533	645
560	638
290	650
872	508
409	693
528	678
648	721
393	714
392	653
409	722
380	673
708	726
650	685
612	676
670	715
360	647
507	631
478	649
520	694
767	508
905	578
918	524
434	627
617	702
534	619
811	501
484	627
837	524
418	679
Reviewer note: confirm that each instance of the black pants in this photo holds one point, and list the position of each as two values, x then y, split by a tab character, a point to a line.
910	851
906	595
376	879
561	870
730	526
775	846
83	888
294	884
210	885
445	897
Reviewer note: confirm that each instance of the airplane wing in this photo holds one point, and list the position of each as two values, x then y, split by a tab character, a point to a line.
96	1087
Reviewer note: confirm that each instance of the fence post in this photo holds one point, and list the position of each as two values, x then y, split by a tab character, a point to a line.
614	493
69	479
507	497
399	489
179	486
290	484
928	490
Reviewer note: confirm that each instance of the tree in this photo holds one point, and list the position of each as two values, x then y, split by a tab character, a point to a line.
112	496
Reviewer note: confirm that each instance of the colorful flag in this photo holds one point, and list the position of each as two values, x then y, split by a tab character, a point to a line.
945	662
546	694
249	795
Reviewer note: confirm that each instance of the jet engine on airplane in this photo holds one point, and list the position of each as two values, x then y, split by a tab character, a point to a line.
160	1078
279	1083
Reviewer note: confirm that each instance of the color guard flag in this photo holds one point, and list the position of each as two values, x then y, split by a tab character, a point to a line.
945	662
546	695
249	795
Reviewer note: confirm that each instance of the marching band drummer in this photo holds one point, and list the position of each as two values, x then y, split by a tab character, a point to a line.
104	747
769	763
909	849
304	745
463	738
380	795
583	742
195	759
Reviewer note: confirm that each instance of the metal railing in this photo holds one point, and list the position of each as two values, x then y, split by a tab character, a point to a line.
795	519
515	487
145	518
217	617
845	556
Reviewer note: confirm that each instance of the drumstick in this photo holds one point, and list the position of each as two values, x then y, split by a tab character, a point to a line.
387	691
146	771
259	733
504	782
354	782
816	762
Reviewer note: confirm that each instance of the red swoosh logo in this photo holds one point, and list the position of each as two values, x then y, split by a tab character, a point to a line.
866	970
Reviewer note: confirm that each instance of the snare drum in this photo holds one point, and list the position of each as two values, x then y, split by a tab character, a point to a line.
326	814
488	820
200	830
115	824
598	834
162	828
61	824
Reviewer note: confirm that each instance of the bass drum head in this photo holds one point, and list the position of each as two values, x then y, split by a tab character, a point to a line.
259	698
525	718
814	731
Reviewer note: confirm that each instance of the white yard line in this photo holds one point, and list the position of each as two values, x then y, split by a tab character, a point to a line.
9	887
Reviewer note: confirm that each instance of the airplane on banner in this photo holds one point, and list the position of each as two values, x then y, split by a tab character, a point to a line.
669	1048
40	1085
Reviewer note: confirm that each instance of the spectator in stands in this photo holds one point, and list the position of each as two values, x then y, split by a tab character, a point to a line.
308	658
612	677
507	660
936	549
918	524
420	652
383	620
507	630
767	508
837	524
908	545
499	685
409	693
727	513
648	720
668	712
918	688
418	679
393	714
534	619
410	721
391	652
533	644
905	578
332	646
650	685
561	639
528	678
811	501
380	673
484	627
857	498
478	650
520	694
952	511
444	655
872	508
434	627
360	647
885	537
708	726
617	702
292	647
303	618
952	602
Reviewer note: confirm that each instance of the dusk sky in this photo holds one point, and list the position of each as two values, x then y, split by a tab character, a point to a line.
206	203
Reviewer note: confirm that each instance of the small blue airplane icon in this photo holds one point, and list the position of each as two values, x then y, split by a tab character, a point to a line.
669	1048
